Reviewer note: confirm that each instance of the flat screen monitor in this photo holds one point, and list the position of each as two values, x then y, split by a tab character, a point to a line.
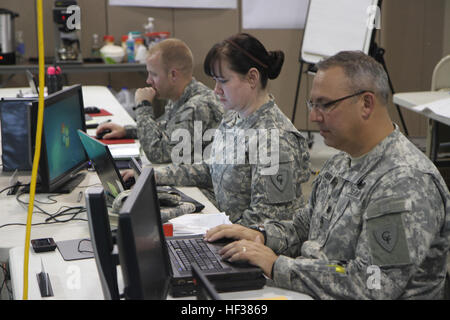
104	165
143	254
62	154
102	241
32	82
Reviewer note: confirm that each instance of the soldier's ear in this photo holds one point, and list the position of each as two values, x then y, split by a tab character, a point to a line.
368	105
173	74
253	77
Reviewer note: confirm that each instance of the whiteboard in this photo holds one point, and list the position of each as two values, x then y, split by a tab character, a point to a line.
210	4
290	14
336	25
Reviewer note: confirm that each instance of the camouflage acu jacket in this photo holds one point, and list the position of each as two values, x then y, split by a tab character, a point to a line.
251	186
374	228
198	103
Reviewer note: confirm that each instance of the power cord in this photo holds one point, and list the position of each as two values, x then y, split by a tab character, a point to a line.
52	218
17	185
6	278
81	250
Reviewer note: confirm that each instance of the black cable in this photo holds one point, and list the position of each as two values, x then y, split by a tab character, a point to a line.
13	186
83	251
61	212
5	281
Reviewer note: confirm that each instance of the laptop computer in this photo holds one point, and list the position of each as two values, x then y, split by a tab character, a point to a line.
136	166
142	246
109	174
104	165
32	83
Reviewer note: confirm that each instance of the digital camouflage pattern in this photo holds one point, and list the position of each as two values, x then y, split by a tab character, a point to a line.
197	103
182	208
388	210
241	190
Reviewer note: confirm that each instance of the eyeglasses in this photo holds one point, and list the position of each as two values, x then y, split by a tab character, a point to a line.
327	107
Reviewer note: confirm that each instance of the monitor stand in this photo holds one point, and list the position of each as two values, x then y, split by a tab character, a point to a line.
67	187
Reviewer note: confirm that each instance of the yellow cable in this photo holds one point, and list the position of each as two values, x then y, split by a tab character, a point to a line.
37	151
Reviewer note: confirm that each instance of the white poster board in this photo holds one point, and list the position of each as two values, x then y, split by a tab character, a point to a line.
333	26
280	14
205	4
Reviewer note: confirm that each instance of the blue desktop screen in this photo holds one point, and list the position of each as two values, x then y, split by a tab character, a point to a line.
63	146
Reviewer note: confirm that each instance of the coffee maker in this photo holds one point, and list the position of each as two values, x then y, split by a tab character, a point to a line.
67	38
7	37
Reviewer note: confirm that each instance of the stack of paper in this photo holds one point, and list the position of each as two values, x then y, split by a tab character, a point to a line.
197	223
440	107
124	151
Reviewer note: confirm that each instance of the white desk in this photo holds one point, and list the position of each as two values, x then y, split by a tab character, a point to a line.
79	280
99	96
76	279
13	212
71	280
409	100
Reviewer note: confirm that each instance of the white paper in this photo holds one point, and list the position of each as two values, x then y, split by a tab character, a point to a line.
280	14
440	107
207	4
124	151
198	223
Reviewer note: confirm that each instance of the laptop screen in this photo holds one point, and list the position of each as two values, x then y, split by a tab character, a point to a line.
104	165
143	254
32	82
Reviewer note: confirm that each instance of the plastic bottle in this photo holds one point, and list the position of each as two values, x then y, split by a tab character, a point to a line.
20	46
108	40
59	79
126	99
141	51
111	53
130	48
52	80
124	46
149	27
95	49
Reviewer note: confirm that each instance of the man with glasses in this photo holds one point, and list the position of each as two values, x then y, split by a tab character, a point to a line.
377	225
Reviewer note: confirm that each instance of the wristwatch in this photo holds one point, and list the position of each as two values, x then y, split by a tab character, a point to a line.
142	103
261	229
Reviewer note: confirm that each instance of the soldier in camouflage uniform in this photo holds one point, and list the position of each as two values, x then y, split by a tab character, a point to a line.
377	225
170	67
248	191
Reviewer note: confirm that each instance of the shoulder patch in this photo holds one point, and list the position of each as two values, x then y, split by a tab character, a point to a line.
386	236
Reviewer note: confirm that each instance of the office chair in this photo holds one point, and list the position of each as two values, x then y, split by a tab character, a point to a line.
441	75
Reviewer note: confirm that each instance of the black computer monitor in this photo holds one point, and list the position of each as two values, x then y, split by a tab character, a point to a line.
143	254
102	241
62	154
32	82
104	165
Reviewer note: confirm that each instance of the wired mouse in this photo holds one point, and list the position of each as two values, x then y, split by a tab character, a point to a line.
102	133
91	110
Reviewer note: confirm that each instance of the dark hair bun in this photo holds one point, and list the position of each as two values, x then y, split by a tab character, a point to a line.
276	60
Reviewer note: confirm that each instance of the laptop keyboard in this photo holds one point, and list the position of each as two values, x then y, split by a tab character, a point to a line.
185	251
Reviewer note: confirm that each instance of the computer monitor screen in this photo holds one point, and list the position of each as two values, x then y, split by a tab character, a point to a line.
102	241
143	254
32	82
103	161
62	154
